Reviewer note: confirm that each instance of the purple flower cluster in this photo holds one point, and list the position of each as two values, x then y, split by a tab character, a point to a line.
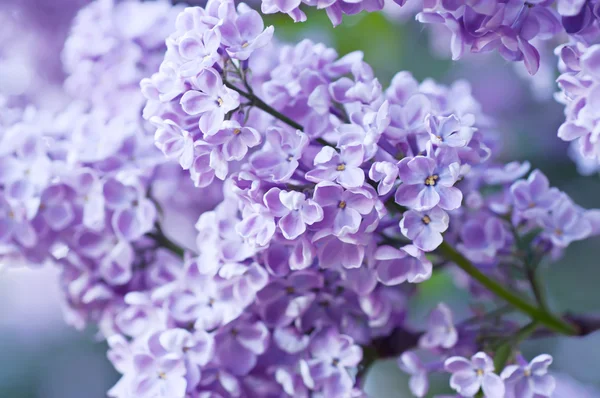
335	9
319	161
580	18
75	184
516	29
580	85
111	48
471	375
506	26
318	201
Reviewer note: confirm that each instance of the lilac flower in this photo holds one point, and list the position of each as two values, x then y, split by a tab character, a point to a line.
199	51
246	34
116	267
482	27
281	155
343	167
174	142
530	379
14	223
133	213
295	211
428	181
565	224
162	376
395	266
534	196
235	140
425	228
238	345
483	238
408	118
343	209
468	376
283	301
418	382
386	174
105	58
196	349
56	208
334	251
334	8
119	353
302	255
440	329
207	303
580	84
291	383
569	8
257	225
210	99
288	7
331	354
448	131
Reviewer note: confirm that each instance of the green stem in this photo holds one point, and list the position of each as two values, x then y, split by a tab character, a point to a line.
161	239
531	265
536	288
260	104
503	353
550	321
496	313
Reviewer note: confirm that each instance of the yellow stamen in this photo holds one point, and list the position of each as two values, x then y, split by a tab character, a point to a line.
342	205
426	220
220	101
341	167
431	180
236	131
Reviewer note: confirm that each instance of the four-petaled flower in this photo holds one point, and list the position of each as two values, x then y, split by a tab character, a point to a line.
425	228
440	329
531	379
427	181
295	210
342	167
343	208
210	99
418	383
395	266
468	376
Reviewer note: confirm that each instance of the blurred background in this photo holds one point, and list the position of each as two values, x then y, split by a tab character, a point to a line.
40	357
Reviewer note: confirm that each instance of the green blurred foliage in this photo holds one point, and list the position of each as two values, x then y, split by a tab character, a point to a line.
388	47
